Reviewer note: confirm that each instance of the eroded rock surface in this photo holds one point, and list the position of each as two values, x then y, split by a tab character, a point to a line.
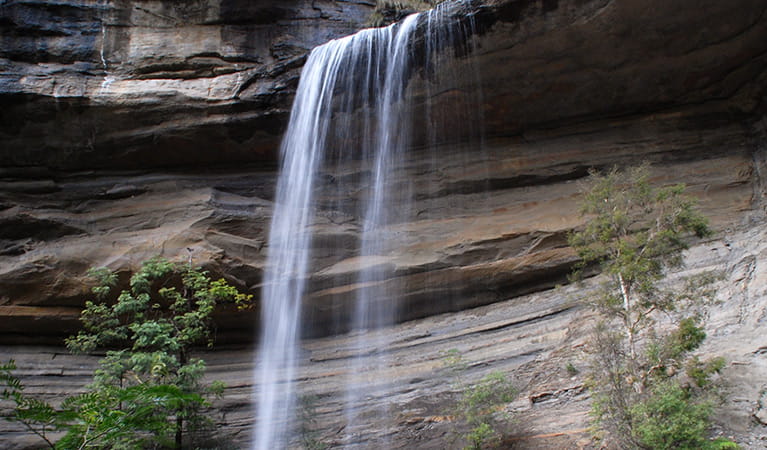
532	338
138	84
131	129
463	245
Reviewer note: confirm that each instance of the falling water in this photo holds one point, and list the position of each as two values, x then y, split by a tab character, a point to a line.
289	242
353	108
391	137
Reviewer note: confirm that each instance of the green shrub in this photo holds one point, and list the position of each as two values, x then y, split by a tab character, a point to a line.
671	418
479	435
721	444
479	403
634	233
148	389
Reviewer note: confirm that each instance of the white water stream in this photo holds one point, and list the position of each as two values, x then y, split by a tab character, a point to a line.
289	244
352	104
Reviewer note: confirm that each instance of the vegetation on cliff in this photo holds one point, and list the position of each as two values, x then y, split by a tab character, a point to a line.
148	390
478	411
648	392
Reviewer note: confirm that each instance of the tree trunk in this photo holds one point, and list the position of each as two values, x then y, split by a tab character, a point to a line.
179	431
179	419
627	321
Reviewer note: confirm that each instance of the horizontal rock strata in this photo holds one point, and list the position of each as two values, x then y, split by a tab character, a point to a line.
491	227
137	84
531	338
138	128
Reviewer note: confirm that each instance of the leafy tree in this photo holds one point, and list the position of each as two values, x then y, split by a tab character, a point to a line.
635	233
478	403
151	329
148	389
135	416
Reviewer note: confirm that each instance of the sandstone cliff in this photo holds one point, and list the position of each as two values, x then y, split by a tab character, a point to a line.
132	128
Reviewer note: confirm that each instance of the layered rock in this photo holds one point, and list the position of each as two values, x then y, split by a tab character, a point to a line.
131	129
141	84
138	84
533	339
486	223
569	61
464	245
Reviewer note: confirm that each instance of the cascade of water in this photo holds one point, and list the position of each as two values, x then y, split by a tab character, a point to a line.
289	244
391	137
352	108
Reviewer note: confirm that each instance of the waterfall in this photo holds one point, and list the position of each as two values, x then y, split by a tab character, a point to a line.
289	243
349	131
391	125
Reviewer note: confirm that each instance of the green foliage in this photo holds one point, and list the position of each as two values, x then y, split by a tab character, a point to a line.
479	435
721	444
634	233
700	372
481	399
670	418
453	360
131	417
479	403
674	417
307	418
38	417
646	402
148	387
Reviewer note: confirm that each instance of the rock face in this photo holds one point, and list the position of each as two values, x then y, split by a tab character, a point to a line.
571	61
533	338
139	84
135	128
